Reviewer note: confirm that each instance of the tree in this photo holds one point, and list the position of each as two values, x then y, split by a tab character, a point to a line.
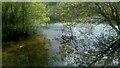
111	13
19	18
91	13
19	42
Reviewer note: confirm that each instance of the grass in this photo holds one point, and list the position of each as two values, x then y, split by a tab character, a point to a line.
27	52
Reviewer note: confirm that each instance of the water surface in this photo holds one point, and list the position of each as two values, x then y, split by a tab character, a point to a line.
85	35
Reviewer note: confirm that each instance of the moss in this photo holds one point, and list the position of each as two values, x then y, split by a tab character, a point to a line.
28	52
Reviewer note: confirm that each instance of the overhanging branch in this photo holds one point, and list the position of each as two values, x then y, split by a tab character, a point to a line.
103	12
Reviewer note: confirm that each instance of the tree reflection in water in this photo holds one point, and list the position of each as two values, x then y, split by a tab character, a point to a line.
81	45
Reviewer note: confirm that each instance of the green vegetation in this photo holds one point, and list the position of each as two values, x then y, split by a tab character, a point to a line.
21	47
19	19
28	52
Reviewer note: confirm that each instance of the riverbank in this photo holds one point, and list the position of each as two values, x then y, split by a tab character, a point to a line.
27	52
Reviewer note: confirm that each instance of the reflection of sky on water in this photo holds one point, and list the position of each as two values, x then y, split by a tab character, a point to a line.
81	31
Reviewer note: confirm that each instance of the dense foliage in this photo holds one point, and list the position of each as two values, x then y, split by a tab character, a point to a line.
21	47
18	19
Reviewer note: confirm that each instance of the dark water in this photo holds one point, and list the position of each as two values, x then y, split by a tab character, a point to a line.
85	34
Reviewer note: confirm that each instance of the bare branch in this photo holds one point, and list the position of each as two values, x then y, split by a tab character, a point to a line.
102	12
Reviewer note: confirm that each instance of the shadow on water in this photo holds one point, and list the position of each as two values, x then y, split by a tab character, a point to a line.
27	52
